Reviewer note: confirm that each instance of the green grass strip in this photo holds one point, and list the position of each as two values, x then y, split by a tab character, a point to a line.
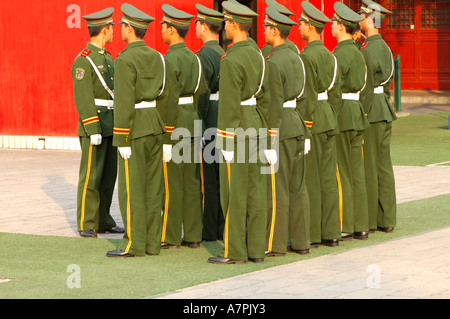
38	265
421	140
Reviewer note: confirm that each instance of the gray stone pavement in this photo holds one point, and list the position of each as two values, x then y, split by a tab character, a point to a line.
38	196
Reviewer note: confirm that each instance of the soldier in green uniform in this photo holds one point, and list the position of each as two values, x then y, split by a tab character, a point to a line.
243	104
93	83
267	49
288	201
142	112
352	122
375	99
320	116
250	39
208	27
183	205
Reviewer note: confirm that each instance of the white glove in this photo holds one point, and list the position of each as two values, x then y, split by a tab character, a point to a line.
228	155
307	145
96	139
167	152
125	152
271	156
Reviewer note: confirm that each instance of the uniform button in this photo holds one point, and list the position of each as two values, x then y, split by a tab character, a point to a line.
112	78
109	66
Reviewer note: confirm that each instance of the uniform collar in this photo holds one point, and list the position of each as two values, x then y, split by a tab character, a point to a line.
315	42
177	46
241	44
373	37
95	48
345	42
211	43
138	43
280	47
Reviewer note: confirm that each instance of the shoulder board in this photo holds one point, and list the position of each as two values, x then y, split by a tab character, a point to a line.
85	53
225	54
364	45
269	55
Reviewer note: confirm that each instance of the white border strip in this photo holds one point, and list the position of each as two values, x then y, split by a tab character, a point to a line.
40	142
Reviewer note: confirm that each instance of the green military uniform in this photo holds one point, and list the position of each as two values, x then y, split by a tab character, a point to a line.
352	123
288	201
375	99
243	103
142	112
183	209
320	116
210	54
98	166
252	42
267	49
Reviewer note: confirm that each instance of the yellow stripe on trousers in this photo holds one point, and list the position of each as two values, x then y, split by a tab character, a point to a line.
225	240
127	181
83	200
341	204
166	204
274	208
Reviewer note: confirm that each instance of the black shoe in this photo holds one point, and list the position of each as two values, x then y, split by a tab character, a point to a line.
386	229
302	251
314	245
257	260
371	231
88	233
118	253
149	254
169	246
361	235
190	244
114	230
224	261
274	254
346	236
330	242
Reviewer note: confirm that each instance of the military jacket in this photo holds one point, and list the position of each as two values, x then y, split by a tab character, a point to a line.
93	119
242	71
140	76
286	83
186	80
210	54
320	64
380	65
267	49
352	75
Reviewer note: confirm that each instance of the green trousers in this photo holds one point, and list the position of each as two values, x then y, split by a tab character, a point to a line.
141	191
289	203
213	220
379	173
183	214
321	181
97	178
352	182
243	194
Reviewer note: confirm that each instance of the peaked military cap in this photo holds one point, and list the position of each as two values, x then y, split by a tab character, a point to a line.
279	7
237	12
176	17
208	15
100	18
135	17
345	15
313	16
375	11
277	19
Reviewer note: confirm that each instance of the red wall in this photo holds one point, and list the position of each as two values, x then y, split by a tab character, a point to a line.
38	48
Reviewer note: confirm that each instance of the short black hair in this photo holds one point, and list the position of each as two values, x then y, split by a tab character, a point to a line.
244	26
319	30
182	31
95	31
140	33
284	33
213	27
350	29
